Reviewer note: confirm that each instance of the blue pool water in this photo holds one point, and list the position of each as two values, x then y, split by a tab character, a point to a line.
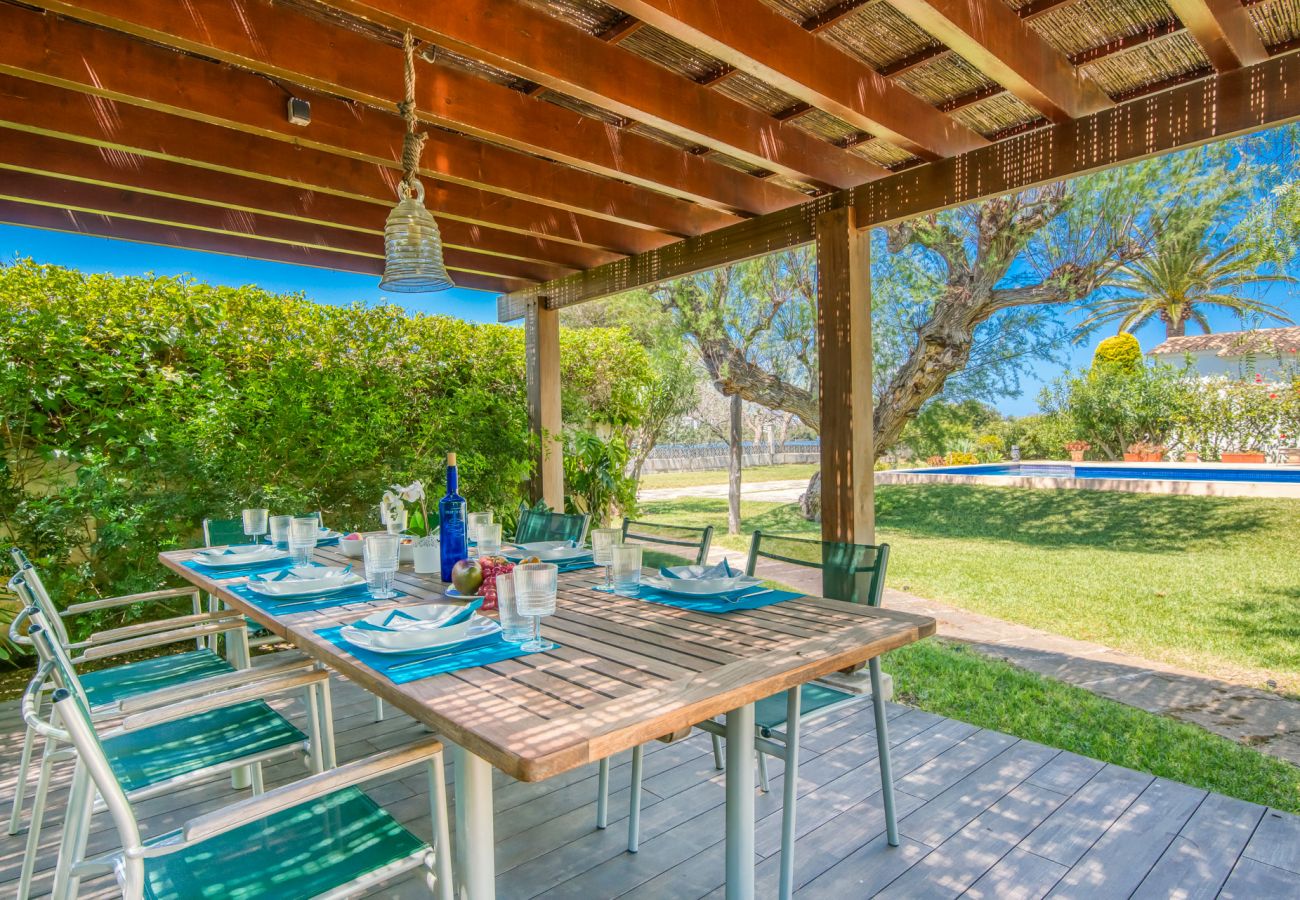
1127	473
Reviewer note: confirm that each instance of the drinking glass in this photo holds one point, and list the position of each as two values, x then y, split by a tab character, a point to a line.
302	539
603	541
280	531
515	626
255	524
397	521
626	563
474	523
489	538
381	553
535	596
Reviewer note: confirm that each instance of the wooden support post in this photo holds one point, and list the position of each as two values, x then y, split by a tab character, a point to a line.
542	354
844	393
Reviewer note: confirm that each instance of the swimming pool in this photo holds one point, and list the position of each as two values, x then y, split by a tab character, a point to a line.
1206	479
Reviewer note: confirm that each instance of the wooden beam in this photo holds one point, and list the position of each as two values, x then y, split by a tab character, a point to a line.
26	152
833	15
542	371
35	107
540	48
1125	43
1219	107
1038	8
73	55
97	225
754	38
990	36
48	190
1224	30
263	37
844	388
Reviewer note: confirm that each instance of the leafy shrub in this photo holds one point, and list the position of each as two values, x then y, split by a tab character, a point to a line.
1223	415
1119	352
131	408
961	458
595	478
1112	407
1040	436
990	448
933	461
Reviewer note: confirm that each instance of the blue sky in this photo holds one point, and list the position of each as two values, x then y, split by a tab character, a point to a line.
95	254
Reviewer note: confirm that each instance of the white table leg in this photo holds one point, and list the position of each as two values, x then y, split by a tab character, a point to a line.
475	838
740	803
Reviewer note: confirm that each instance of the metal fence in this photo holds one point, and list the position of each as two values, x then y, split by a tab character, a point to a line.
695	457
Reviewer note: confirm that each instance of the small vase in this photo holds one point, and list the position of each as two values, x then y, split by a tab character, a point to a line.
425	556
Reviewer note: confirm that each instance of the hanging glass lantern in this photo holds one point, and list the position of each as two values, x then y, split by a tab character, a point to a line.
413	247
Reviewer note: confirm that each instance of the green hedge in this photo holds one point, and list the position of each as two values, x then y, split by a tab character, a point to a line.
131	408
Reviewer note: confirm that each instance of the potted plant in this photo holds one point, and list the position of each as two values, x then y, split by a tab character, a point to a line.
406	503
1191	456
1243	456
1154	453
1135	452
1291	456
1077	449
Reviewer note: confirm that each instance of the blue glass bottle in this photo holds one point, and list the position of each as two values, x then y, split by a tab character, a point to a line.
451	522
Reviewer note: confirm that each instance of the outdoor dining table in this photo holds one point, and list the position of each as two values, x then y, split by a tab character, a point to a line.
626	672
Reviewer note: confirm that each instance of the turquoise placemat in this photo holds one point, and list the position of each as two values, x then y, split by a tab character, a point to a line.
718	605
271	565
293	605
482	651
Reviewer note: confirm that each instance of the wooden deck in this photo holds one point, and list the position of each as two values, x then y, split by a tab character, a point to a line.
983	815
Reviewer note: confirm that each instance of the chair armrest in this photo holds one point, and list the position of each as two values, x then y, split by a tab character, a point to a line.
44	727
282	663
158	625
297	792
255	690
15	627
127	600
158	639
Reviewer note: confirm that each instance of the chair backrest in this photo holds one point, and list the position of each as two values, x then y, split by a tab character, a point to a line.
221	532
688	545
73	713
535	525
852	572
29	587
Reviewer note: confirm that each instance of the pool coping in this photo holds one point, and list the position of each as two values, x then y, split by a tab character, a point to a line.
1147	486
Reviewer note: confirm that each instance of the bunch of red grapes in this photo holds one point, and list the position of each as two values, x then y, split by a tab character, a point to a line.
492	566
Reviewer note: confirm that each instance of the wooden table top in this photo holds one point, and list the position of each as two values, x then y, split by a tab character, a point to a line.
626	672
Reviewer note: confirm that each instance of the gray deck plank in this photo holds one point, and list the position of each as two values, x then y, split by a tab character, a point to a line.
1123	856
1276	842
1201	858
983	792
1020	875
1071	830
1254	880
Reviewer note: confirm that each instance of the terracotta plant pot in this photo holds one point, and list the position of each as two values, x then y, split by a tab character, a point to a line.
1291	456
1158	456
1191	456
1250	456
1076	456
1132	457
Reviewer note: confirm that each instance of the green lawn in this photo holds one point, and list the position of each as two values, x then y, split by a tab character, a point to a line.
751	475
954	681
1212	584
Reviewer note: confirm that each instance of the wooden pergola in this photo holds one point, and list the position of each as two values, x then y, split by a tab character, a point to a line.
579	148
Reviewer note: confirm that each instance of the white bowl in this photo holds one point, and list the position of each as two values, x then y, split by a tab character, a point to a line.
352	549
416	628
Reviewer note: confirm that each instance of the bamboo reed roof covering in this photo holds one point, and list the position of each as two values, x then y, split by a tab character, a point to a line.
565	135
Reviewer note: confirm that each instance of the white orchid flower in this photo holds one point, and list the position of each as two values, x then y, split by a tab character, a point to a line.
413	492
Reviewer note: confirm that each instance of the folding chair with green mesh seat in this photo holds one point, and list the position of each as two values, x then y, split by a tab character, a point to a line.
669	545
316	837
850	572
172	739
541	525
110	685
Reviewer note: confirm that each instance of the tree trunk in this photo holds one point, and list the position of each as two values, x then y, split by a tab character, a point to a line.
733	468
1172	328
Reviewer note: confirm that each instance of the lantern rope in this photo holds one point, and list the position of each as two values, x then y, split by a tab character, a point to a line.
413	141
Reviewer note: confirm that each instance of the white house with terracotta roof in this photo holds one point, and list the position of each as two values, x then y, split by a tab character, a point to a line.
1272	353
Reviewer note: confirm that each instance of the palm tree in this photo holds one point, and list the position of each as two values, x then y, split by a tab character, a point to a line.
1179	280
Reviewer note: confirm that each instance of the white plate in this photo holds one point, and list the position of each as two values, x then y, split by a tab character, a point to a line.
217	560
457	595
547	551
322	581
419	632
700	587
